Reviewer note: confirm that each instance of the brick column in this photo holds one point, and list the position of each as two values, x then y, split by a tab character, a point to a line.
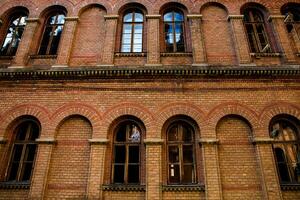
22	54
240	39
42	163
3	142
153	168
153	40
283	38
110	38
213	187
97	162
269	179
199	54
66	41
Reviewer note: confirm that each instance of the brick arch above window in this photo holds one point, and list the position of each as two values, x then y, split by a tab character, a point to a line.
82	5
124	4
47	6
7	6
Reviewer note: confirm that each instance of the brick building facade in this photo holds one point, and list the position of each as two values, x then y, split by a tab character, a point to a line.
149	99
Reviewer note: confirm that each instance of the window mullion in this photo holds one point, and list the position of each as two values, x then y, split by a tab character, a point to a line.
174	37
132	36
50	39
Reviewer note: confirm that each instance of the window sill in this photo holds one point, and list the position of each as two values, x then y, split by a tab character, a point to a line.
14	185
123	54
6	57
176	54
180	188
43	56
259	55
298	54
290	187
116	187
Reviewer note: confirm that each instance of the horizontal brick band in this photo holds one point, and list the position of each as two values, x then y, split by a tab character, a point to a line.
194	16
153	16
209	141
99	141
75	18
262	140
111	16
153	141
45	140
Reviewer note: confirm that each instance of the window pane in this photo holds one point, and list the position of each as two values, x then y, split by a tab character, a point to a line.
6	45
55	41
126	39
173	134
134	154
173	154
60	19
188	154
119	174
137	48
30	152
34	132
137	39
51	20
120	154
174	173
178	17
125	48
188	176
187	134
17	152
138	28
13	171
45	41
138	17
27	171
133	174
128	17
135	134
23	21
121	134
21	132
168	17
127	28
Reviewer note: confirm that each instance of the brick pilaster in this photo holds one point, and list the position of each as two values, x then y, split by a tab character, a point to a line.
22	54
110	39
153	51
97	161
42	163
270	182
283	38
65	46
153	169
213	188
199	55
240	39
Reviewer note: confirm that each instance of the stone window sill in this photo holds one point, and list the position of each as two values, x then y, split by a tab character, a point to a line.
123	54
290	187
43	56
117	187
176	54
14	185
180	188
259	55
6	57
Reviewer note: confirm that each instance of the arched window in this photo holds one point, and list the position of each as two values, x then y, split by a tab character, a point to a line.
23	151
255	27
126	167
52	33
14	34
132	35
292	18
174	31
181	153
286	150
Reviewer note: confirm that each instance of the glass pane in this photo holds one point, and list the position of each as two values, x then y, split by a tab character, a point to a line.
120	154
121	134
27	171
188	154
174	173
283	171
55	40
45	41
188	176
30	152
178	16
21	131
168	17
137	48
135	134
127	28
187	134
138	17
13	171
179	33
126	39
133	173
60	19
134	154
6	45
17	152
52	19
125	48
173	154
137	39
173	134
128	17
23	21
119	174
34	132
138	28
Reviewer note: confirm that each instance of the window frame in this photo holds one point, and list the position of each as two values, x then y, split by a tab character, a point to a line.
55	13
24	157
133	25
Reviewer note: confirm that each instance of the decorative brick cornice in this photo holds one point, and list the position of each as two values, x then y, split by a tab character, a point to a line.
176	54
43	56
194	16
258	55
153	141
262	140
146	72
122	54
153	16
183	188
98	141
30	20
271	17
112	187
290	187
3	140
14	185
45	140
74	18
107	17
207	141
231	17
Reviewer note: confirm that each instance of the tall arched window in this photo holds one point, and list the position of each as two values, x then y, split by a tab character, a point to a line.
181	153
127	148
256	31
292	18
23	151
52	33
14	34
286	149
174	31
132	35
